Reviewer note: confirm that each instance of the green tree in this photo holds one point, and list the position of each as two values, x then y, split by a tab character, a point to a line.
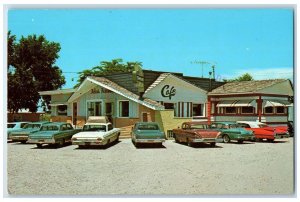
107	67
31	69
244	77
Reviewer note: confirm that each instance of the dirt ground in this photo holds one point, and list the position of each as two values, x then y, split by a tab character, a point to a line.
174	169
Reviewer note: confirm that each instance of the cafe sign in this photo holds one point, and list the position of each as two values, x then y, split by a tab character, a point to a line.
168	91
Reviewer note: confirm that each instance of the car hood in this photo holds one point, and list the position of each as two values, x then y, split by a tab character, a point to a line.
90	134
23	131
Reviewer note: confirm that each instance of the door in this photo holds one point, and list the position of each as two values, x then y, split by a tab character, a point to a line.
145	117
75	113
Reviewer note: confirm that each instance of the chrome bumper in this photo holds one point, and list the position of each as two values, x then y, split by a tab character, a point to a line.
41	141
78	142
217	140
18	138
150	140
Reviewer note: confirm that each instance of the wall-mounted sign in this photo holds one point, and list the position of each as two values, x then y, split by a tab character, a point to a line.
166	91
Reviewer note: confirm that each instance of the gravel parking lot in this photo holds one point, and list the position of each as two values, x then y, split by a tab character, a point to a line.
249	168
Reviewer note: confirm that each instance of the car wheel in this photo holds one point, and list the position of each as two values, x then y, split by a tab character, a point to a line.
270	140
176	140
189	143
226	139
39	145
136	144
117	140
240	141
259	139
212	144
80	146
61	143
23	141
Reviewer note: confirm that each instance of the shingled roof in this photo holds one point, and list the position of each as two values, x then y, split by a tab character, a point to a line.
245	86
124	92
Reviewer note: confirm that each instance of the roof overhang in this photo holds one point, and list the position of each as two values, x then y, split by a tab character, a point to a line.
276	103
58	103
57	92
236	103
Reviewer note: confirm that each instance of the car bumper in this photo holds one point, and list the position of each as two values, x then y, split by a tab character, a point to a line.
150	141
41	141
217	140
245	138
87	143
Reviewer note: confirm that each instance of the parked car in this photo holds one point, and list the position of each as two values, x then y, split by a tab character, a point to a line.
263	131
232	131
147	132
291	128
56	133
96	134
14	126
21	135
197	132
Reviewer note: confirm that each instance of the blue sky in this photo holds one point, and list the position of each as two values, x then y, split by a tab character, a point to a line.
258	41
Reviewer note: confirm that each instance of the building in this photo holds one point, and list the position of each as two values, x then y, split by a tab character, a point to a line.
127	98
266	101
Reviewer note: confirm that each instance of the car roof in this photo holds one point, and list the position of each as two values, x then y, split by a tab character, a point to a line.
55	123
39	122
250	122
225	122
105	124
196	122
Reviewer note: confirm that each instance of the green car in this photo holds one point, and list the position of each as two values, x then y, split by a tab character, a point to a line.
148	133
56	133
232	131
22	134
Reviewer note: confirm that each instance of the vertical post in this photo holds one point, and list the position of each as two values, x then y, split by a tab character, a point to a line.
259	108
209	110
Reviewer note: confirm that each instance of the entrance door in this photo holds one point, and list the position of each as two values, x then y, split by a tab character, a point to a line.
145	117
74	113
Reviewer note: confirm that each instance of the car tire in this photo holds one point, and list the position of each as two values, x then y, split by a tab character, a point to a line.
176	140
136	144
226	139
117	140
189	143
240	141
270	140
23	141
39	145
259	139
212	144
61	143
80	146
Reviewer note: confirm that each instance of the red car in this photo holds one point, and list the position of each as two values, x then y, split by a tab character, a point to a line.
196	132
263	131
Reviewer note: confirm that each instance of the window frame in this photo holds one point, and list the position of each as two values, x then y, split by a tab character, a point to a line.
120	115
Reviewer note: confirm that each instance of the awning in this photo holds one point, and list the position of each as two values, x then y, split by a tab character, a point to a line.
276	103
58	103
236	103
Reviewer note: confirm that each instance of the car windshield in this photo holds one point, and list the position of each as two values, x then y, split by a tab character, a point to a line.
32	126
234	126
94	128
198	126
49	128
10	125
262	125
148	127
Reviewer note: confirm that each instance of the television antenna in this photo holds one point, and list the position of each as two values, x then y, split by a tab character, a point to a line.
200	62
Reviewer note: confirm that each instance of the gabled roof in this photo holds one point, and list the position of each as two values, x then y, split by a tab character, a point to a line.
245	86
165	75
60	91
112	86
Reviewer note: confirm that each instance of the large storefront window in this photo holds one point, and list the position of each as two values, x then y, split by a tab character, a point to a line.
94	109
124	109
247	110
197	110
230	110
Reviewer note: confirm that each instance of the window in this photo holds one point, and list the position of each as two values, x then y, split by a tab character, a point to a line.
109	108
230	110
124	109
243	125
247	110
94	108
62	110
69	126
94	128
169	105
280	110
268	110
197	110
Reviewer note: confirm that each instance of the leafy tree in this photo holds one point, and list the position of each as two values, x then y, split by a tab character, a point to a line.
244	77
31	69
107	67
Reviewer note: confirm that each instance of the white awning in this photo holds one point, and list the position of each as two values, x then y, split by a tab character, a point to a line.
58	103
236	103
276	103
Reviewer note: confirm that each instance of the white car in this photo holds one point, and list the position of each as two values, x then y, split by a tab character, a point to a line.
96	134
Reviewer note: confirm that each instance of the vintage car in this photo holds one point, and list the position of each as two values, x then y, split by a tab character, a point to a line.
197	132
14	126
263	131
147	132
56	133
21	135
232	131
96	133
